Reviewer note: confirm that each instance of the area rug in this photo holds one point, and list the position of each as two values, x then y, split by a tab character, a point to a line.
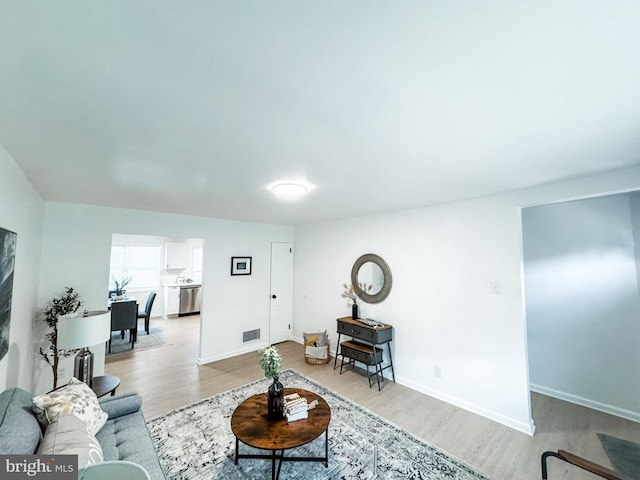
196	443
156	338
623	455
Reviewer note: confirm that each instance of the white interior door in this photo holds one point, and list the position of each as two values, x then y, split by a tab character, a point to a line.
281	311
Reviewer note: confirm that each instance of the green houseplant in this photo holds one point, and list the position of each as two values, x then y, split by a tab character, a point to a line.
68	302
271	364
120	284
270	361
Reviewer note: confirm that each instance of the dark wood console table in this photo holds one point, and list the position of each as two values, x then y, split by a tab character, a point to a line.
366	346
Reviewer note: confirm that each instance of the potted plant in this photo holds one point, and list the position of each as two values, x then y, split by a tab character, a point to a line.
271	364
119	286
69	302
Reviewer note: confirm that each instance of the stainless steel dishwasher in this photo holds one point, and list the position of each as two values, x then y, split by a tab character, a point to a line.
190	300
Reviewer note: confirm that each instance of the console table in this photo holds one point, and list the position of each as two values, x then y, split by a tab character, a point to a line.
366	346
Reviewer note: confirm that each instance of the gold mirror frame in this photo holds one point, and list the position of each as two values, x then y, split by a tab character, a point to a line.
386	273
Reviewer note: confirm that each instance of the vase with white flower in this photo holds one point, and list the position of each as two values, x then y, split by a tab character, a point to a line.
271	364
350	293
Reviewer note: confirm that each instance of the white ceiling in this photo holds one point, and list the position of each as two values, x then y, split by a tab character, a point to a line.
196	107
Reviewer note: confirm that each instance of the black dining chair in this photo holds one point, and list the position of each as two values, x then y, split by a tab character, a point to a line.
124	317
146	313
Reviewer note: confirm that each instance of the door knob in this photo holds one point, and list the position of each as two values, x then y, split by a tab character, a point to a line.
274	296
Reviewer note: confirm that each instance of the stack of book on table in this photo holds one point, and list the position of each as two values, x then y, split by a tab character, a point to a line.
295	407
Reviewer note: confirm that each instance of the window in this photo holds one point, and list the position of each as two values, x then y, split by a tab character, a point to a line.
140	262
197	264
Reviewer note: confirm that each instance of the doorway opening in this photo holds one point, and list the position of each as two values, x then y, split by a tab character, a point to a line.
160	265
581	263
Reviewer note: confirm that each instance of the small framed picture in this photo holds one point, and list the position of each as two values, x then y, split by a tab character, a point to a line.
240	265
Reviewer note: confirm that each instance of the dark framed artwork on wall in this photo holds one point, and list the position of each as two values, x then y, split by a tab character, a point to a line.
240	265
7	265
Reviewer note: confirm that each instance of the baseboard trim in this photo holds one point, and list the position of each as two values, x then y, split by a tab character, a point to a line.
586	402
524	427
214	358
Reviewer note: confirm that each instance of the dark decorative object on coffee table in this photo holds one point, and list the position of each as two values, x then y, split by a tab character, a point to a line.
275	401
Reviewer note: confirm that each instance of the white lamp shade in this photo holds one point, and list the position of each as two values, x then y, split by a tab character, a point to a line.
78	331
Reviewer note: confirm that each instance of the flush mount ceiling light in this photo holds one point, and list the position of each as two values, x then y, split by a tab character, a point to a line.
289	189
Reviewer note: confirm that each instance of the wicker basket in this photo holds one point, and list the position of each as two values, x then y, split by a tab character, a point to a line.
317	361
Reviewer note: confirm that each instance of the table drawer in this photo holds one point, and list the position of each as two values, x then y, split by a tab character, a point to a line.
364	332
366	354
356	331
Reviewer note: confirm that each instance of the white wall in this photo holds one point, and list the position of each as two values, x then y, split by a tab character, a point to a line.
583	303
443	260
21	211
634	201
76	252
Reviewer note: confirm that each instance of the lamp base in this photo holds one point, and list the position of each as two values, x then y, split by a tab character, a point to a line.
83	366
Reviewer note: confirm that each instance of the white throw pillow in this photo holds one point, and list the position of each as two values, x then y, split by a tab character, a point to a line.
69	435
75	398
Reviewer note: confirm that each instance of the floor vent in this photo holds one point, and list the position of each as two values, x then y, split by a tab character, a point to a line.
250	335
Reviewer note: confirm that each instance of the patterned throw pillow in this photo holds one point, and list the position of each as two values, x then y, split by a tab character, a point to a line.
69	435
75	398
318	339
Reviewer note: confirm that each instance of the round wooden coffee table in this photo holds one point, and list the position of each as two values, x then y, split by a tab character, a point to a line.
250	425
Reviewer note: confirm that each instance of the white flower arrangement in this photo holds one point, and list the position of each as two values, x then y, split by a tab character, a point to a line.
350	291
270	361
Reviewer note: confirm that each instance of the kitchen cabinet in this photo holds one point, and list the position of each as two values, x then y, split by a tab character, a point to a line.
171	301
176	255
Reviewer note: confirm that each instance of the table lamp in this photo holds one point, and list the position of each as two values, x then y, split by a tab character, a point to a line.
80	331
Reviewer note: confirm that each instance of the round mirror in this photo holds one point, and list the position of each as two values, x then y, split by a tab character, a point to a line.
370	274
371	278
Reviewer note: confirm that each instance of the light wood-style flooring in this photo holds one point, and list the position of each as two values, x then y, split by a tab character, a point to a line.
168	377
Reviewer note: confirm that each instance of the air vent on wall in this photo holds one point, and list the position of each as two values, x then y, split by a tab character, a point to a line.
250	335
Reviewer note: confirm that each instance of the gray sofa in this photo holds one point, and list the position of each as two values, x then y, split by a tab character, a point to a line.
123	437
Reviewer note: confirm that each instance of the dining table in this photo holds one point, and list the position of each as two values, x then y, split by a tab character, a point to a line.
125	299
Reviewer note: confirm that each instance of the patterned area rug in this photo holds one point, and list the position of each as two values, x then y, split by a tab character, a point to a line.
623	454
196	442
156	338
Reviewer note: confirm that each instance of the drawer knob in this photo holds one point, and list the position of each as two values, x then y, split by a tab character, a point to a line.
355	330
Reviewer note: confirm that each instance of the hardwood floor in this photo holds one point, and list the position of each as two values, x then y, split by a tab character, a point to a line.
168	378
